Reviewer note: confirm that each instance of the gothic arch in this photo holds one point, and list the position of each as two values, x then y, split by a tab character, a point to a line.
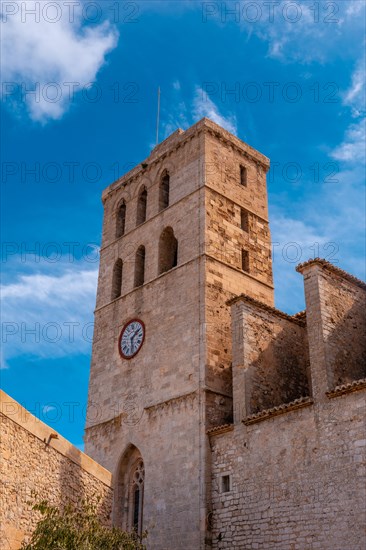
129	491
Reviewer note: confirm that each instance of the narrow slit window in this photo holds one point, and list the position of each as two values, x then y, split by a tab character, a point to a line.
245	260
244	220
225	484
243	176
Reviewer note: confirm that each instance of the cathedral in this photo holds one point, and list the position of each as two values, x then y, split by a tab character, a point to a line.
215	421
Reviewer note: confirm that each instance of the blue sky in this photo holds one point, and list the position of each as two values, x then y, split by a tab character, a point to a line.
286	77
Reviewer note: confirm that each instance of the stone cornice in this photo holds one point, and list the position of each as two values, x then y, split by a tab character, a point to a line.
280	409
172	403
244	206
238	270
220	429
356	385
324	264
299	318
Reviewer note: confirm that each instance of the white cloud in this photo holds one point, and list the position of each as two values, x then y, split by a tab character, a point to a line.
293	241
48	408
177	114
49	315
203	106
352	149
304	32
36	53
355	95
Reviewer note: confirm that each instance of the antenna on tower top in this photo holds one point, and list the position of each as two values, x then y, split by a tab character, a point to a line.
158	118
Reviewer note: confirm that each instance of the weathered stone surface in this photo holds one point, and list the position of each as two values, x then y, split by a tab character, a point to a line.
187	349
297	463
52	468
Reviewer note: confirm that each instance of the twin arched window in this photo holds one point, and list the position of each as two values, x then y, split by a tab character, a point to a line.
136	496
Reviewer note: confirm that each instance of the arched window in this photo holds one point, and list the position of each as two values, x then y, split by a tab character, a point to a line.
129	492
164	191
136	496
121	220
168	250
140	266
117	279
141	206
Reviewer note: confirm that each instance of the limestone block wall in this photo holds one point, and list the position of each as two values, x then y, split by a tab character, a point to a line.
184	214
168	436
270	357
289	474
336	305
225	237
53	468
226	200
297	480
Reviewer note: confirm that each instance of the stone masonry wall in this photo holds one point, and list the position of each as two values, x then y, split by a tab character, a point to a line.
57	471
225	237
297	480
187	349
270	363
335	306
344	326
293	477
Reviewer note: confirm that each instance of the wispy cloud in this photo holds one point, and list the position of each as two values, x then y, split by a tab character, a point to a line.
50	57
47	315
304	32
181	113
352	149
355	95
203	106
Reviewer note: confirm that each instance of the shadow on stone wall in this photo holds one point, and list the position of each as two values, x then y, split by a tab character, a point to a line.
77	486
346	347
280	374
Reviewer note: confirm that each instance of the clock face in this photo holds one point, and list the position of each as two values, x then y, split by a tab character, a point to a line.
131	338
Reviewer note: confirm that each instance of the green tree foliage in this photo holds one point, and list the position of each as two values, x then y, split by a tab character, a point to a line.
74	528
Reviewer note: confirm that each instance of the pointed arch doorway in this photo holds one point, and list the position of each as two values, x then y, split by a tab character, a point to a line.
129	491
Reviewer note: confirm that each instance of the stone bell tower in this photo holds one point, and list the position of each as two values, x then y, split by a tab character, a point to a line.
183	232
